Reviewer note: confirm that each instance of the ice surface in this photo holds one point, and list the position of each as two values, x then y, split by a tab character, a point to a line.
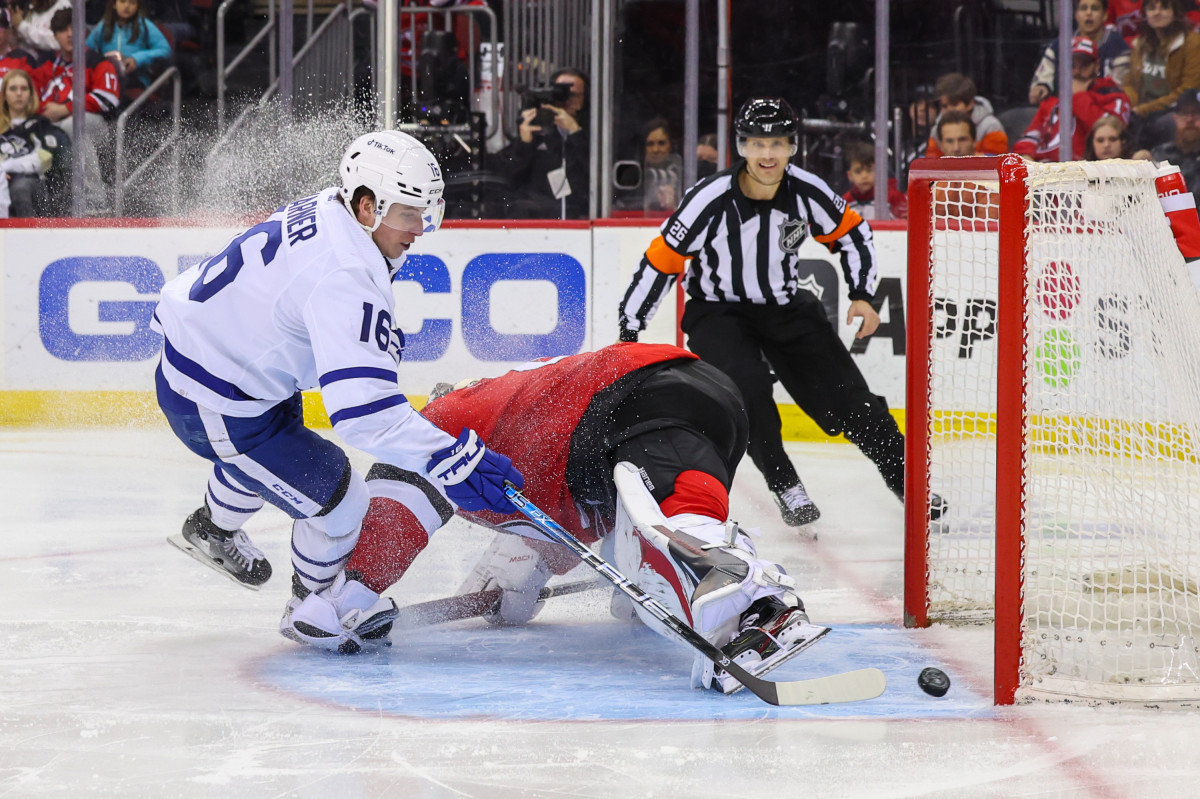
127	669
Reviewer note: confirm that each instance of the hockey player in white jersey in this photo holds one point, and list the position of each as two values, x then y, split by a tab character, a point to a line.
301	300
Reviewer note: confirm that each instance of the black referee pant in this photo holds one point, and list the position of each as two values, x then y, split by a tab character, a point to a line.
814	367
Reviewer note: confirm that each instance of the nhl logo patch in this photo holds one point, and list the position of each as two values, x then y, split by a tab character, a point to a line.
791	233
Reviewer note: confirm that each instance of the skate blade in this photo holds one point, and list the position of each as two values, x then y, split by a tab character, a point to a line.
730	685
180	543
810	531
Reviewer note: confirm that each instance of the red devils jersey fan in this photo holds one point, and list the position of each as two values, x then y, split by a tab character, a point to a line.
734	242
635	445
1092	97
56	78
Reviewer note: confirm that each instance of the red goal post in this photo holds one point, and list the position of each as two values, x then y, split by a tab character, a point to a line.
958	172
1052	404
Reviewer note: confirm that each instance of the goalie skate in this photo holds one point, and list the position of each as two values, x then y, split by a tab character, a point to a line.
341	618
228	553
772	633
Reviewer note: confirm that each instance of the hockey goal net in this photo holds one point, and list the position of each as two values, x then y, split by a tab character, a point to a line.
1054	403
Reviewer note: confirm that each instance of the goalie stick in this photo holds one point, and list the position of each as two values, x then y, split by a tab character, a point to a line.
851	686
480	603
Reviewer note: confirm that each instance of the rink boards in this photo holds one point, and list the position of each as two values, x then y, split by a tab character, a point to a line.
473	301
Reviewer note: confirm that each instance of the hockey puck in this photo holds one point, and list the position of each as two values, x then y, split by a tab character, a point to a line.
933	681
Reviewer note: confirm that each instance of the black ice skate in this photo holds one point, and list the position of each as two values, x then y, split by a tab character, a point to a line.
796	507
772	633
229	552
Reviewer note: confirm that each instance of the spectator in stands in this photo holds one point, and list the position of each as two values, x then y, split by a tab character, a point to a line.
706	155
11	56
1109	138
956	92
860	170
1092	97
1111	49
955	134
35	154
547	166
1126	16
1184	150
31	21
135	45
1166	61
921	112
102	95
662	170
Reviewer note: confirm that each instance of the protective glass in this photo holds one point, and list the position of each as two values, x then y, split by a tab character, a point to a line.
410	219
775	147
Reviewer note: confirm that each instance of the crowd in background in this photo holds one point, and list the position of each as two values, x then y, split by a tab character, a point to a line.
126	48
1135	67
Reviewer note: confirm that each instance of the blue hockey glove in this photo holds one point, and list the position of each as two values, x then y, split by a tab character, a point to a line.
473	475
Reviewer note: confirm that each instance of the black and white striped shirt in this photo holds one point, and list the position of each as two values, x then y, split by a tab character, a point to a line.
729	248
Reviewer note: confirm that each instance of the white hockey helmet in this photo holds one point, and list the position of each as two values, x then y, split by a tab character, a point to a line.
402	174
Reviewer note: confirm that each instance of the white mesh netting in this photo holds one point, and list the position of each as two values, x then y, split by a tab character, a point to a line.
1111	571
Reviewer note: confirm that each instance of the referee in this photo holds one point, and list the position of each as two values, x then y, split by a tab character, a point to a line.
734	240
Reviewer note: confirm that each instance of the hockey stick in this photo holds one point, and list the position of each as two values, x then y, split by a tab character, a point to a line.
480	603
851	686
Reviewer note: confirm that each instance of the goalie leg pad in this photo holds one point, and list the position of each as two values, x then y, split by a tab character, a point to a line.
404	511
511	564
703	570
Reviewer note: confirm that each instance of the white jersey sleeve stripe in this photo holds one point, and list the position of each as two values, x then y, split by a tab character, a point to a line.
357	372
369	408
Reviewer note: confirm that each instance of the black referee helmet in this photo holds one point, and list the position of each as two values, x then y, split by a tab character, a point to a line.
767	117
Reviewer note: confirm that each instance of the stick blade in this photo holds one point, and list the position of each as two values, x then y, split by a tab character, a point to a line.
850	686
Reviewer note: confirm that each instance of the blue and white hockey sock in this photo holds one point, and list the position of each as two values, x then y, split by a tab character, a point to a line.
229	502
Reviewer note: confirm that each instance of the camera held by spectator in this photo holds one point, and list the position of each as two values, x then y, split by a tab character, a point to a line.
556	94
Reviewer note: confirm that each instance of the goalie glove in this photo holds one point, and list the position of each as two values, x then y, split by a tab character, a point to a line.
517	569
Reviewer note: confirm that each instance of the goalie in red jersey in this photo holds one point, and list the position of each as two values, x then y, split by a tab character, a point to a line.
636	446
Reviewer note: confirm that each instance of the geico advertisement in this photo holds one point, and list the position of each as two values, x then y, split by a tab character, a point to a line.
472	302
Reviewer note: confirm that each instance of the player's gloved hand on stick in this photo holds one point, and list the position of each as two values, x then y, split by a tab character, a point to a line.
473	475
